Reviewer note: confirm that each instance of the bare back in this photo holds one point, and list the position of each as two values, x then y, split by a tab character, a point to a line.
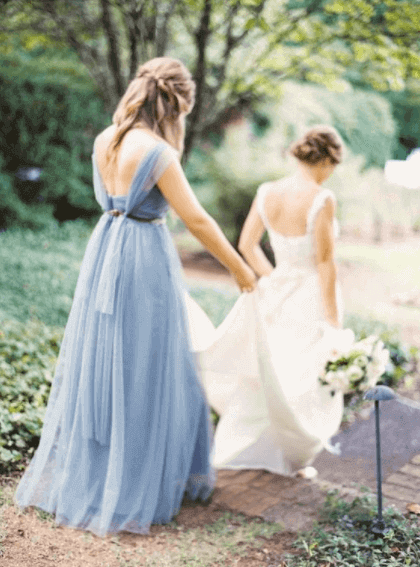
287	204
136	143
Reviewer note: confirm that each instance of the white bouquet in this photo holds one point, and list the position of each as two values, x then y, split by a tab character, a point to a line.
356	368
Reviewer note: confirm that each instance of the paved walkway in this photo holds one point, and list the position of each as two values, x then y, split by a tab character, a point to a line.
294	502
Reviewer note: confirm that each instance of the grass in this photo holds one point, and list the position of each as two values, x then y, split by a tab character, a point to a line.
343	537
214	544
215	302
391	258
378	272
40	271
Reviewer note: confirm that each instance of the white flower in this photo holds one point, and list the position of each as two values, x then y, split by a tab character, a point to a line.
334	355
329	377
381	355
377	349
373	373
340	341
361	361
366	345
354	372
340	380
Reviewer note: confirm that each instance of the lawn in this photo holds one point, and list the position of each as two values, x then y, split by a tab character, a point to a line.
372	276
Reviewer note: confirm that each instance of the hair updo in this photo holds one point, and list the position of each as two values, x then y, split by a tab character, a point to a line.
319	143
160	92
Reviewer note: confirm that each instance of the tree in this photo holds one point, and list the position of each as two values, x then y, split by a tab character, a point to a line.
239	50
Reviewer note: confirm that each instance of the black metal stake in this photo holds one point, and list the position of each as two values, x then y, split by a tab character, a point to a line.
380	523
379	393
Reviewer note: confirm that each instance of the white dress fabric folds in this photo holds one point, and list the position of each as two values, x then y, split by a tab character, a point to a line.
260	367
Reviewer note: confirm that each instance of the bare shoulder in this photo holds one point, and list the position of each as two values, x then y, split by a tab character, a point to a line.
275	190
135	144
104	137
325	211
134	140
329	202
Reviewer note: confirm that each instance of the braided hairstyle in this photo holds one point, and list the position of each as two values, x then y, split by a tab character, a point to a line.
160	92
319	143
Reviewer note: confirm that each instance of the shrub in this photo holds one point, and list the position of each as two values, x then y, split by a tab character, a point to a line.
28	353
226	178
363	118
343	537
403	359
50	124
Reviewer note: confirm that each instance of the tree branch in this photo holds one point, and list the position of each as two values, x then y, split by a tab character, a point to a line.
88	55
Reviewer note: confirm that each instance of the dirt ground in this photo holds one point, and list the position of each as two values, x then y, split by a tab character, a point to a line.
32	540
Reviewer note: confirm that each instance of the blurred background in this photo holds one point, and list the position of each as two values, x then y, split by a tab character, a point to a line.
265	71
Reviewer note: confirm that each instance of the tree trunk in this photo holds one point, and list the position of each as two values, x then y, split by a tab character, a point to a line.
113	49
201	38
162	31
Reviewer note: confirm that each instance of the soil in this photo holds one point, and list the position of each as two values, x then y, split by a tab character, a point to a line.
32	540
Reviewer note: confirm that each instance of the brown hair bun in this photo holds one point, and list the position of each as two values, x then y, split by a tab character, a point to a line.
319	143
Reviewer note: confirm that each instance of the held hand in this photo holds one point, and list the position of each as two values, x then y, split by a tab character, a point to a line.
246	279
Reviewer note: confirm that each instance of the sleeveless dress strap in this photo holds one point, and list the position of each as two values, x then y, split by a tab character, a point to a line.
317	205
261	194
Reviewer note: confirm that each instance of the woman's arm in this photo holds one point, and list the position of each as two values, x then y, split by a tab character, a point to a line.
324	242
176	189
249	243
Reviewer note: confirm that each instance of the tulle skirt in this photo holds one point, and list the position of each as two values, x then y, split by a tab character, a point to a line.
127	430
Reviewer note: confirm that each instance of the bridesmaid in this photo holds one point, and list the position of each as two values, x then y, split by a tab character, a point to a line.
127	430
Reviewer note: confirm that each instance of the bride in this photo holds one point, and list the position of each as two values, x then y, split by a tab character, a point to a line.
260	368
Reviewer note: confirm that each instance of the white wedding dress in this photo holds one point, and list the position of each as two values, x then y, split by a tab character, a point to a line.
260	367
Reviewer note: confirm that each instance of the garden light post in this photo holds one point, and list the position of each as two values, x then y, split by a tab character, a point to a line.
379	393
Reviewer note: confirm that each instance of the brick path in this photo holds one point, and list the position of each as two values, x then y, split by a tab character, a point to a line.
294	502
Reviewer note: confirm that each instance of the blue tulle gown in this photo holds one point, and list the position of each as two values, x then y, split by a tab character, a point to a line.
127	430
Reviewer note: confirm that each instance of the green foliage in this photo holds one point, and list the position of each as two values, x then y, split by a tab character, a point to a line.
253	151
406	112
28	353
403	359
364	119
343	537
215	302
231	174
238	50
40	271
46	122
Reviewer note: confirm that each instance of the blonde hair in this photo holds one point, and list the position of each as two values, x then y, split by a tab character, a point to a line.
159	94
319	143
